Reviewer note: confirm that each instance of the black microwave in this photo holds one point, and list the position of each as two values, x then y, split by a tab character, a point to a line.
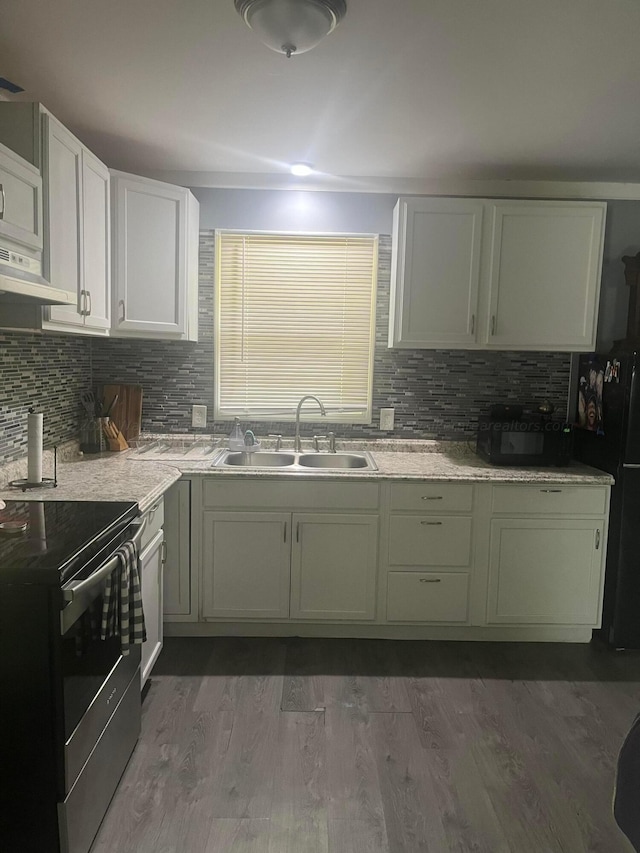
526	440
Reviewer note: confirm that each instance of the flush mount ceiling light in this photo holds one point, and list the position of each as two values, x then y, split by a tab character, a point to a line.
301	170
291	26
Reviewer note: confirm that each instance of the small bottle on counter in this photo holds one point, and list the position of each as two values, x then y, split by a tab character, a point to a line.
236	437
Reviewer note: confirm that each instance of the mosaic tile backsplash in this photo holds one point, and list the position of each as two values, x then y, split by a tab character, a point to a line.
47	372
435	393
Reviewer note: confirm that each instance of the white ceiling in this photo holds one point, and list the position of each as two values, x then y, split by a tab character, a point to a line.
419	89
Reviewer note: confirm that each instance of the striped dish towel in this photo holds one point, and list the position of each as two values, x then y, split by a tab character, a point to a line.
122	602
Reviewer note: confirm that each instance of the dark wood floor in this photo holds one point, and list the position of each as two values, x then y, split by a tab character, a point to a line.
343	746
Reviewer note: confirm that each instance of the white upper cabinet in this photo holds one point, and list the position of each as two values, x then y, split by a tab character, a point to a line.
155	259
62	166
75	212
436	271
96	219
20	200
483	274
544	279
77	222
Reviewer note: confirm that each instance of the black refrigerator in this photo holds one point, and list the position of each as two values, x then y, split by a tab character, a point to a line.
609	438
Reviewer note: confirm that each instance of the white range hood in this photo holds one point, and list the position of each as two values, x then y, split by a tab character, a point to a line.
23	291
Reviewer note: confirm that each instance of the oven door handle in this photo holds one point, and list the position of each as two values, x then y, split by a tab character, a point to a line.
73	588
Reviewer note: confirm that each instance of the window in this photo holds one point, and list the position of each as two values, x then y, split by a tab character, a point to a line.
295	315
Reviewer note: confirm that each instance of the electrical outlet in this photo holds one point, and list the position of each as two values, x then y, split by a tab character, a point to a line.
198	416
386	419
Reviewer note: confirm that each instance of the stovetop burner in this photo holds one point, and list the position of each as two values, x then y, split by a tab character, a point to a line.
49	541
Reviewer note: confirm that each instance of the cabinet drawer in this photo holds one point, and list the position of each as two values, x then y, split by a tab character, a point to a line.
416	540
155	520
431	497
550	499
224	492
422	597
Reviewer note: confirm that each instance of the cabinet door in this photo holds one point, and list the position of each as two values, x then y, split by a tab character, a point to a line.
150	254
63	218
20	200
545	571
245	562
177	570
546	260
334	566
96	241
435	272
151	582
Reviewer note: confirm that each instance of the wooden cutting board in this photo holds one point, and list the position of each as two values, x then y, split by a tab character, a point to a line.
127	412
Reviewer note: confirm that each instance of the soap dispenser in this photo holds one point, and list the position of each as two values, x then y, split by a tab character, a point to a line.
236	438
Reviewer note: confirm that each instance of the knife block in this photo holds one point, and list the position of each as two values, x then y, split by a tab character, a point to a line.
114	437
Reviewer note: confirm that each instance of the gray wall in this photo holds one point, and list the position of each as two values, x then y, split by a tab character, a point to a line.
290	210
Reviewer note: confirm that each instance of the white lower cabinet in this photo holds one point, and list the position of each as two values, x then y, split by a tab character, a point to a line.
333	566
246	564
430	552
279	565
177	585
430	540
545	571
427	597
421	559
151	559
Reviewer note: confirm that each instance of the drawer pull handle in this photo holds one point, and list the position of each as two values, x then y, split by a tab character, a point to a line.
432	523
597	539
430	580
285	531
432	497
551	491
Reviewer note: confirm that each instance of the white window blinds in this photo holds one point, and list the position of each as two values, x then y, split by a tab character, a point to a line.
295	315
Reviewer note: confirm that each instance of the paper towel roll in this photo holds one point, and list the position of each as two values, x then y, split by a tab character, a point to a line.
34	447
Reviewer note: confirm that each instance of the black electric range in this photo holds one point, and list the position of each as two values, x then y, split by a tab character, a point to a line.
70	713
60	540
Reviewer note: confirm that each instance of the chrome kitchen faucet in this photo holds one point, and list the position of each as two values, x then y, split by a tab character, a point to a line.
297	445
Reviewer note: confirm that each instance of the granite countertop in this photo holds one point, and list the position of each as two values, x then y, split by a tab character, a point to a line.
127	476
101	477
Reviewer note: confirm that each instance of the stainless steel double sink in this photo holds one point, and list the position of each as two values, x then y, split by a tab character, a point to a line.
295	463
